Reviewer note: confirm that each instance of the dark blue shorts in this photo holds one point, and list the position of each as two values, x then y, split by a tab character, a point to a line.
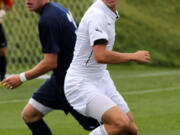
3	41
51	94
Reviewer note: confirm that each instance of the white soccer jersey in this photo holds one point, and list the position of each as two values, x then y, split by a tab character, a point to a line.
97	23
88	86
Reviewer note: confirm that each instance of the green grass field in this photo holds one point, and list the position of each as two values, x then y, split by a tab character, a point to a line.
153	95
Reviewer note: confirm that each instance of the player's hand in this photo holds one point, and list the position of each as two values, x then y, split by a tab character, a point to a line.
2	14
12	82
142	56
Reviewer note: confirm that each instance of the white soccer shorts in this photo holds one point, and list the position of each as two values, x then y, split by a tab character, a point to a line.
82	89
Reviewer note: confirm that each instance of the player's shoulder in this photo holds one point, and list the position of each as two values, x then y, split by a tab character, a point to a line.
53	11
47	20
50	14
57	7
94	13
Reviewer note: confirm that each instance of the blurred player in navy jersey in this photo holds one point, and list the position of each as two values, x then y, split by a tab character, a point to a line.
4	6
57	35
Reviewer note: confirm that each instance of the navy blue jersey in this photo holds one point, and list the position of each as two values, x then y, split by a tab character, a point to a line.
57	35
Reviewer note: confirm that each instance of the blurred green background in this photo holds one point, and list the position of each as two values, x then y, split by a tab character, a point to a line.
150	25
146	25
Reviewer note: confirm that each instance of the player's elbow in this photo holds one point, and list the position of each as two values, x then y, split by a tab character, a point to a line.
52	65
101	59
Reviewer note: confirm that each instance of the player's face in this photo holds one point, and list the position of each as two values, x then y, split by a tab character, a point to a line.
111	3
35	5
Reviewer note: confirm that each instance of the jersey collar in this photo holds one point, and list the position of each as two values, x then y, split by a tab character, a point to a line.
113	15
43	8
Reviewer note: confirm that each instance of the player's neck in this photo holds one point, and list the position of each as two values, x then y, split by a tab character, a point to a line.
112	7
41	7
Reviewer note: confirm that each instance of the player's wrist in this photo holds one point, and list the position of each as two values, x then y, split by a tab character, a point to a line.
132	57
22	77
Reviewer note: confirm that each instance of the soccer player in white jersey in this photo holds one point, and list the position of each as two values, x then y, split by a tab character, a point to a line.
88	85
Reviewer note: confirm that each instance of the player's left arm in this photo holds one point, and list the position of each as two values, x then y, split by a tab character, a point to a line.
49	36
104	56
47	64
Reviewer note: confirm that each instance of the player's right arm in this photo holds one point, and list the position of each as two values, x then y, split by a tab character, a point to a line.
49	36
99	38
102	55
47	64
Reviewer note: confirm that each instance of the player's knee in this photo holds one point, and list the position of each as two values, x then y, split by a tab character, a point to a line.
122	124
30	117
126	126
135	132
133	129
26	117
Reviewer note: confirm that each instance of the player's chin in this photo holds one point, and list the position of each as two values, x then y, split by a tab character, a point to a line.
30	8
113	4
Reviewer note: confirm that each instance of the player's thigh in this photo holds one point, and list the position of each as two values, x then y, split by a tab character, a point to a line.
49	96
87	123
115	116
119	100
98	106
105	110
43	101
31	114
78	92
113	94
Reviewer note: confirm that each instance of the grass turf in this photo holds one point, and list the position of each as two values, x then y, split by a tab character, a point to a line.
153	95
